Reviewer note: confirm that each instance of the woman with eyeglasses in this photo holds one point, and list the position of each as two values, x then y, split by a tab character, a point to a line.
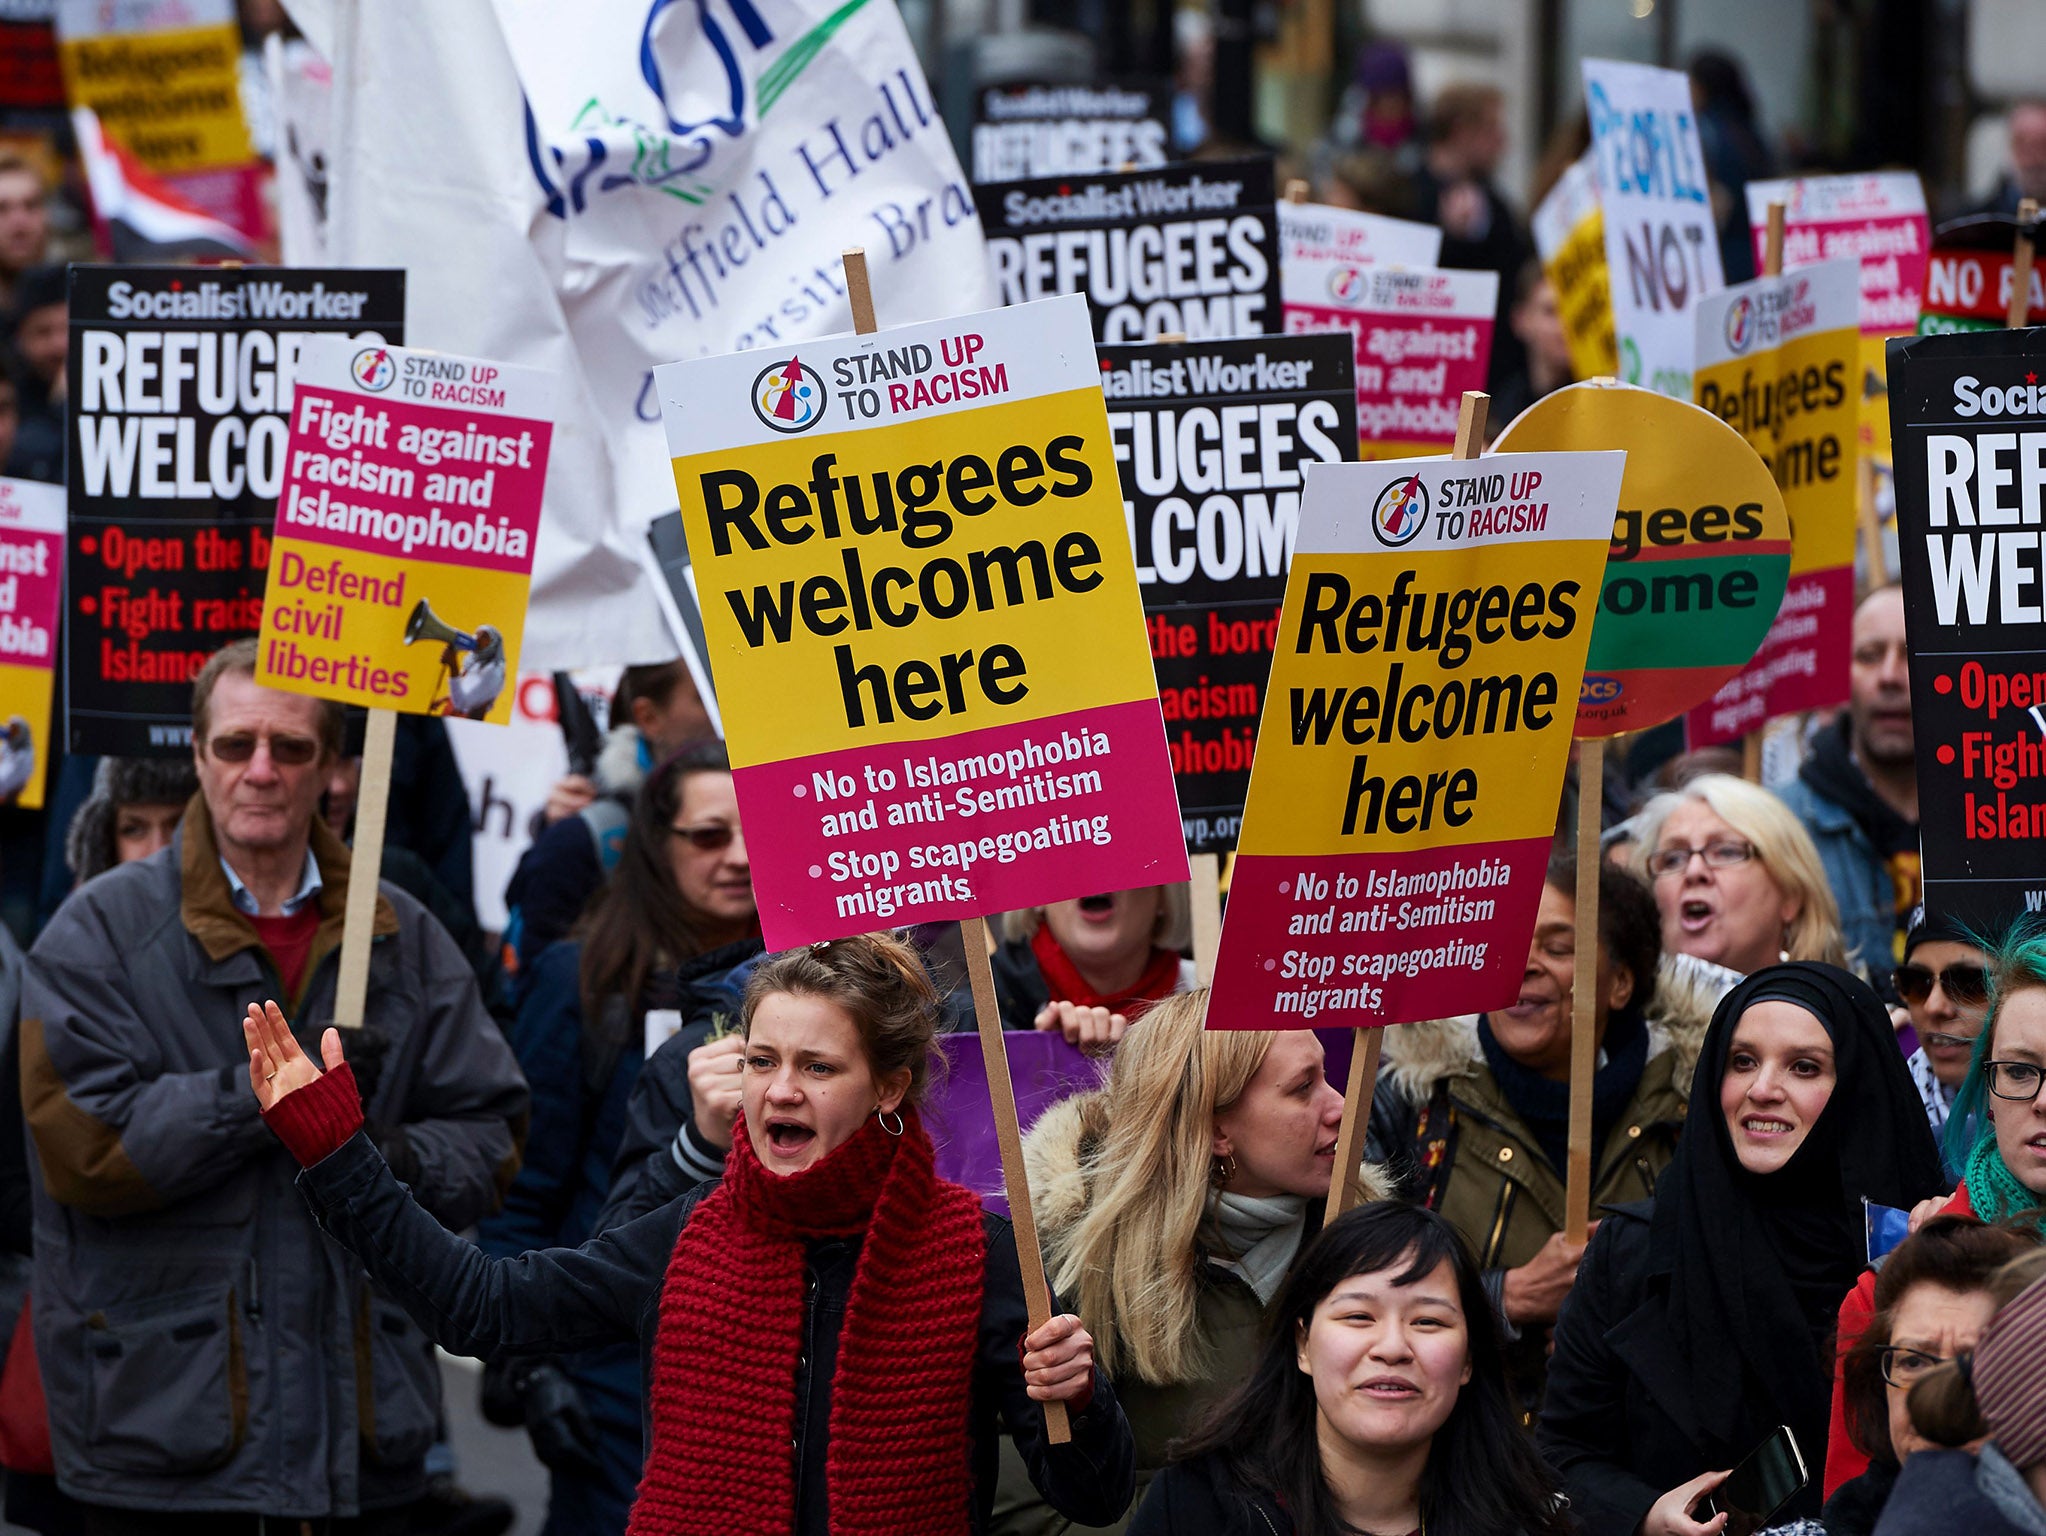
663	947
1944	982
1932	1298
1995	1132
1736	877
1702	1319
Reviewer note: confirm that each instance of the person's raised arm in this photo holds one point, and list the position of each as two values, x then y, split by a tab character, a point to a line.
546	1302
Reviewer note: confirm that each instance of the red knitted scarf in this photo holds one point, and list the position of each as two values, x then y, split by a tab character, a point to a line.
731	1322
1067	985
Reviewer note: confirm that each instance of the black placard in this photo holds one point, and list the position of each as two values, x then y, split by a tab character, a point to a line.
180	382
1191	250
1968	423
1070	130
1210	440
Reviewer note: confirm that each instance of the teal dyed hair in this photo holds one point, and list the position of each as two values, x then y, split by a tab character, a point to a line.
2016	961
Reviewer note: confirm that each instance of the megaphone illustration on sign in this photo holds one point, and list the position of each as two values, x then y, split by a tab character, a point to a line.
471	665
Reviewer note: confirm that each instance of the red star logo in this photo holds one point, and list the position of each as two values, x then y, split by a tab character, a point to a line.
2031	378
176	286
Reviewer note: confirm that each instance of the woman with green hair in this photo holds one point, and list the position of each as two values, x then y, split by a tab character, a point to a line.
1995	1134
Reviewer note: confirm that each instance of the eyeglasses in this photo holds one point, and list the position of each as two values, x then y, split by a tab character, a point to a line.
2017	1081
1721	855
1903	1366
1965	985
706	839
285	750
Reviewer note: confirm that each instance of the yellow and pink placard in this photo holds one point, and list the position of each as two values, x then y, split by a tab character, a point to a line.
1403	798
920	606
405	529
31	600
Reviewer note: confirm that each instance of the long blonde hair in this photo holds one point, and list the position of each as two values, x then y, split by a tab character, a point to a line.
1781	843
1131	1262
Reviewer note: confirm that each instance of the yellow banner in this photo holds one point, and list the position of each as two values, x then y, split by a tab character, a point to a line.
172	98
1584	297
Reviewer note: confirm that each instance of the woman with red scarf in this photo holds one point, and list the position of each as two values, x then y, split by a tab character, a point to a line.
1088	967
830	1335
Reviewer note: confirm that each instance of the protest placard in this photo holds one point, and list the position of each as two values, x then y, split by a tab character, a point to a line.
1700	550
164	79
1189	250
1778	361
1214	441
31	596
1970	278
1570	236
1423	335
181	388
1662	250
1968	421
1042	129
405	529
1318	232
1418	719
921	608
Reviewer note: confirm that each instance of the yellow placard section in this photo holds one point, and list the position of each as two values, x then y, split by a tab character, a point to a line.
172	98
1584	298
1875	384
1442	744
25	725
929	622
336	623
1799	404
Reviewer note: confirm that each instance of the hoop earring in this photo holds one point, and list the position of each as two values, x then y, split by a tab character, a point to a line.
896	1129
1221	1171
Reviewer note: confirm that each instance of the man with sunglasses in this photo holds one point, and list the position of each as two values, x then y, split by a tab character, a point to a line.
205	1349
1944	982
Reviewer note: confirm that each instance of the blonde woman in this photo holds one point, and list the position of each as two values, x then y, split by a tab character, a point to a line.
1088	967
1736	877
1171	1204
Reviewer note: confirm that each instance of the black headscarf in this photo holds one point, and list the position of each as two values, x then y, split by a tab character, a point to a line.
1757	1265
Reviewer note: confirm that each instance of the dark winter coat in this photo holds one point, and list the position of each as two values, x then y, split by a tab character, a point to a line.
609	1290
1200	1498
1939	1493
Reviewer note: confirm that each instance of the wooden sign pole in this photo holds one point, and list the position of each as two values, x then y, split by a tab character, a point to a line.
1206	897
1343	1187
1296	190
987	1015
2021	266
1772	266
1591	790
365	865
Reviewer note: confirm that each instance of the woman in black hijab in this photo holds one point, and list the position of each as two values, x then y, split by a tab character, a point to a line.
1702	1319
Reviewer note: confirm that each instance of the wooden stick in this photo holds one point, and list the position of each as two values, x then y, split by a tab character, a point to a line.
1772	245
1751	756
1002	1093
1207	913
858	290
1591	792
1871	525
2021	265
365	864
1296	190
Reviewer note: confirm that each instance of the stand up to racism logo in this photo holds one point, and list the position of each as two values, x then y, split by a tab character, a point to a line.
788	397
1401	511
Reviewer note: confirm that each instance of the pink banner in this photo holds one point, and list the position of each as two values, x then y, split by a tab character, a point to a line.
1412	371
1801	664
31	594
987	821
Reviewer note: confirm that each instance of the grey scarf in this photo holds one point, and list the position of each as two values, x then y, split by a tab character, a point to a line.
1259	1237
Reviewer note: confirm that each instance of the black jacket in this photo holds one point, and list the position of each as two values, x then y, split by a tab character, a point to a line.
1200	1498
1611	1427
554	1300
1942	1492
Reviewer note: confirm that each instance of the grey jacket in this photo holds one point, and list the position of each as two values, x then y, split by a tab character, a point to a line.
203	1346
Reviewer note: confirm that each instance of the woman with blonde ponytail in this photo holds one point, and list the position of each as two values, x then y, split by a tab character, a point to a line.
1171	1203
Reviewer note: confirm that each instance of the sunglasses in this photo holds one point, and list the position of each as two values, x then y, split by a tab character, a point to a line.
1964	984
285	751
706	839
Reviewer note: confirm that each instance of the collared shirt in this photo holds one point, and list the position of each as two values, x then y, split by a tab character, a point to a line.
309	885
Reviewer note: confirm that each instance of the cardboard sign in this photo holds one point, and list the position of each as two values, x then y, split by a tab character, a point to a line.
1778	362
1423	335
180	390
1214	441
405	530
1191	250
1662	250
1403	802
1318	232
1969	275
1968	421
1877	219
164	79
31	598
1020	131
1700	550
1570	235
920	605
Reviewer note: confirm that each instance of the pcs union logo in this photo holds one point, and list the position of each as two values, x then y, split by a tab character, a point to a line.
788	397
1600	688
373	369
1400	512
1740	324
